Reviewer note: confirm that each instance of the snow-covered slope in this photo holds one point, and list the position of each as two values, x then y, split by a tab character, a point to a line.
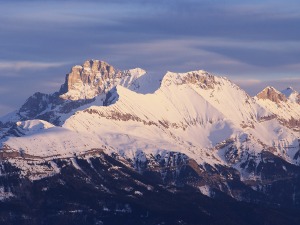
221	93
172	118
42	139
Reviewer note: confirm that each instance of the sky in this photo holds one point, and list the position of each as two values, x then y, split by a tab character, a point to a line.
253	43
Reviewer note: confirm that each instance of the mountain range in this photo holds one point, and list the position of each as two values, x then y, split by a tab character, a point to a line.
128	147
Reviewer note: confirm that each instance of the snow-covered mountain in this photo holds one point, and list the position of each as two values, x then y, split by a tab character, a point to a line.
236	145
84	86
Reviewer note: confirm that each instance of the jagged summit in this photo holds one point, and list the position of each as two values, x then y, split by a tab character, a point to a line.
272	94
95	77
200	77
288	94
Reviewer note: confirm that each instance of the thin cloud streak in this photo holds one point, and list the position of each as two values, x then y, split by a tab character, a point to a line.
20	65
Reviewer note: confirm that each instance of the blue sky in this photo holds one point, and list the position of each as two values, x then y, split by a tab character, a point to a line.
254	43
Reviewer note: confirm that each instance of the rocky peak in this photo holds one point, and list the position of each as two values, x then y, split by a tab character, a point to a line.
271	94
95	77
34	104
88	80
200	77
98	66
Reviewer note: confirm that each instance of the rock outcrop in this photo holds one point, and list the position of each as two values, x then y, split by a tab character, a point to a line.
90	79
271	94
95	77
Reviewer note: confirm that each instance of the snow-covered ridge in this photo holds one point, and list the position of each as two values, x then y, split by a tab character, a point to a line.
200	77
221	93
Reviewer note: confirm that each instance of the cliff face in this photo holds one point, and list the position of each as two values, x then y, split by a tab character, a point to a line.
92	78
272	94
96	77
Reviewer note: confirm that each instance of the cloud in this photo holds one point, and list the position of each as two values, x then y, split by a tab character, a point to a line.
4	90
55	85
20	65
264	58
180	55
167	55
249	82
